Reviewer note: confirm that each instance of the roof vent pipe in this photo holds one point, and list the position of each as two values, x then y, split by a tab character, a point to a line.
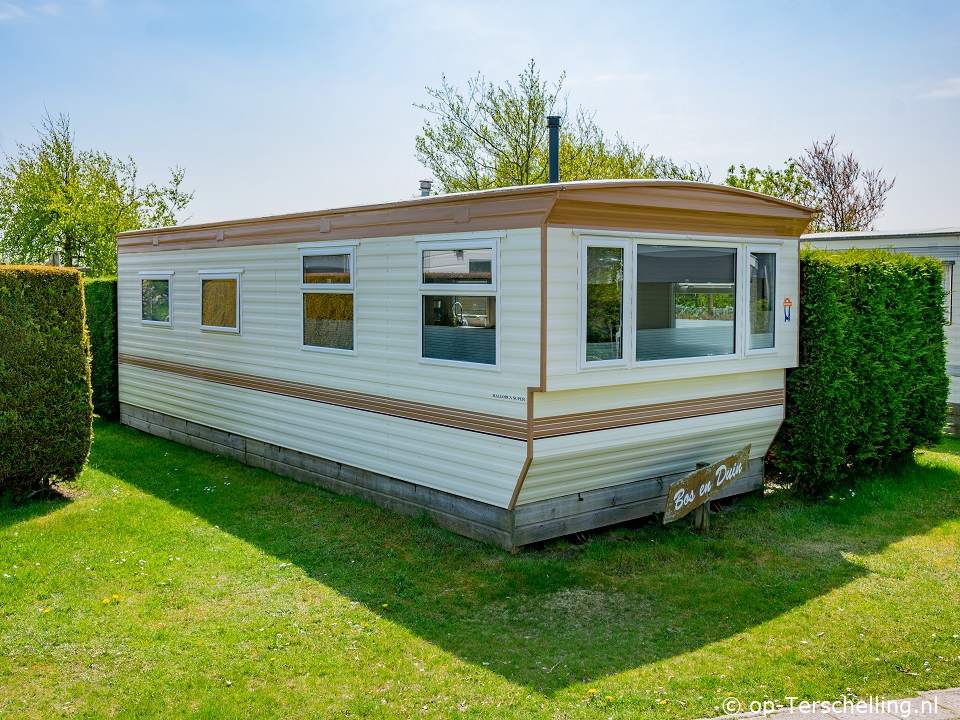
425	187
553	124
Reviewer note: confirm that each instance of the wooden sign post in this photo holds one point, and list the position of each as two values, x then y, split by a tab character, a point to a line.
694	491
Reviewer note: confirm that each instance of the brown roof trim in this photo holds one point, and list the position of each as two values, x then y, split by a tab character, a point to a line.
669	205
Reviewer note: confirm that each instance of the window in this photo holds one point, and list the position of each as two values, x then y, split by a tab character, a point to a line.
156	307
686	302
327	286
762	308
220	300
948	292
649	301
604	303
458	291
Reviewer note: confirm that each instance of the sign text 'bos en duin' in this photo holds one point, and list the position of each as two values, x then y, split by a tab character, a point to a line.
692	491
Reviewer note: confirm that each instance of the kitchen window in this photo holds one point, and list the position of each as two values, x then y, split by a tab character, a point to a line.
458	302
327	288
220	300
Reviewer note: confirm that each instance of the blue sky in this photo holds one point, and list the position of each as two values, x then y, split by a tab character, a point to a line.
288	105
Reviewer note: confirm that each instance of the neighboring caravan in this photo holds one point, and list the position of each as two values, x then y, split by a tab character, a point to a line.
519	364
941	244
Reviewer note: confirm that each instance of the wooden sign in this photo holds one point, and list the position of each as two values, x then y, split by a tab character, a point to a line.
695	489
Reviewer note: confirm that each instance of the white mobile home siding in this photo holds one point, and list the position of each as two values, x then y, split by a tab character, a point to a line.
386	365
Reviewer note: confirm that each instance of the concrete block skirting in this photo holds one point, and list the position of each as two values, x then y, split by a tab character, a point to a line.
543	520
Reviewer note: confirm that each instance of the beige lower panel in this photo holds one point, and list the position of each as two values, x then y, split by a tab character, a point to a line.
580	463
472	465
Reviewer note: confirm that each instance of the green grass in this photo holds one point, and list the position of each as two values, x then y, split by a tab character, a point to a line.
233	593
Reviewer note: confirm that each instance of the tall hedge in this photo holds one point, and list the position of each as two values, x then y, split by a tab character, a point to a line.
101	301
46	414
872	384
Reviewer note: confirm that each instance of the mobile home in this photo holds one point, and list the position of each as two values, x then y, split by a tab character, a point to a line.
943	245
519	363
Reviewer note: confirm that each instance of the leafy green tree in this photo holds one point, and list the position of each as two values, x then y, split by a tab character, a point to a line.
788	183
847	197
54	196
496	136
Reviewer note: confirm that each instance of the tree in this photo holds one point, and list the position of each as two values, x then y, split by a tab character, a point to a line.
847	197
54	196
788	183
496	136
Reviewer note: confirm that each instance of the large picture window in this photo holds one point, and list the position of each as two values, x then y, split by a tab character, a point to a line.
156	307
458	291
644	300
685	302
220	300
327	284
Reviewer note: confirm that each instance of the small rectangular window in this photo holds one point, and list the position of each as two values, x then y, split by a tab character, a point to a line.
460	328
686	302
763	289
604	304
466	266
327	269
155	305
220	301
327	288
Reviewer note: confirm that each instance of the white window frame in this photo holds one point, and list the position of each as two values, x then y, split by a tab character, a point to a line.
745	295
158	275
350	288
237	275
491	289
631	242
628	336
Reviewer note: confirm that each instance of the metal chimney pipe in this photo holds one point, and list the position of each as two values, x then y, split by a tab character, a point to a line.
553	124
425	187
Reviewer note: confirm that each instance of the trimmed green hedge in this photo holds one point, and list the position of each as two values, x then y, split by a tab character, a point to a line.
46	417
101	300
872	382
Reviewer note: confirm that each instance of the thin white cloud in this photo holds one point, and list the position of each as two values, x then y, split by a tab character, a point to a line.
945	89
10	11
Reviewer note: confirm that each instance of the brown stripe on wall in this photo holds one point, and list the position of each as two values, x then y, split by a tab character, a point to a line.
559	425
511	428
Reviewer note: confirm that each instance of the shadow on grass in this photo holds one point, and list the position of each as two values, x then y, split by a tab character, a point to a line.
12	512
563	613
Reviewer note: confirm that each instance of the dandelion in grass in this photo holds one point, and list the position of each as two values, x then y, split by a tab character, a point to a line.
116	597
106	601
592	691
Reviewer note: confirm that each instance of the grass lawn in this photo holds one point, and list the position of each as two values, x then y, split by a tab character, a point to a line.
173	583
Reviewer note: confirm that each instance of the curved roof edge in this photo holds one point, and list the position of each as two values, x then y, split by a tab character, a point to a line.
518	191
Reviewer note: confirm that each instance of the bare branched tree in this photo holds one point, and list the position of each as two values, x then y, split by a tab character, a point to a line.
847	197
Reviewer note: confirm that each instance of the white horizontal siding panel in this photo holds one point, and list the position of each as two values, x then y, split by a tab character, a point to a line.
421	453
567	402
577	463
387	307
